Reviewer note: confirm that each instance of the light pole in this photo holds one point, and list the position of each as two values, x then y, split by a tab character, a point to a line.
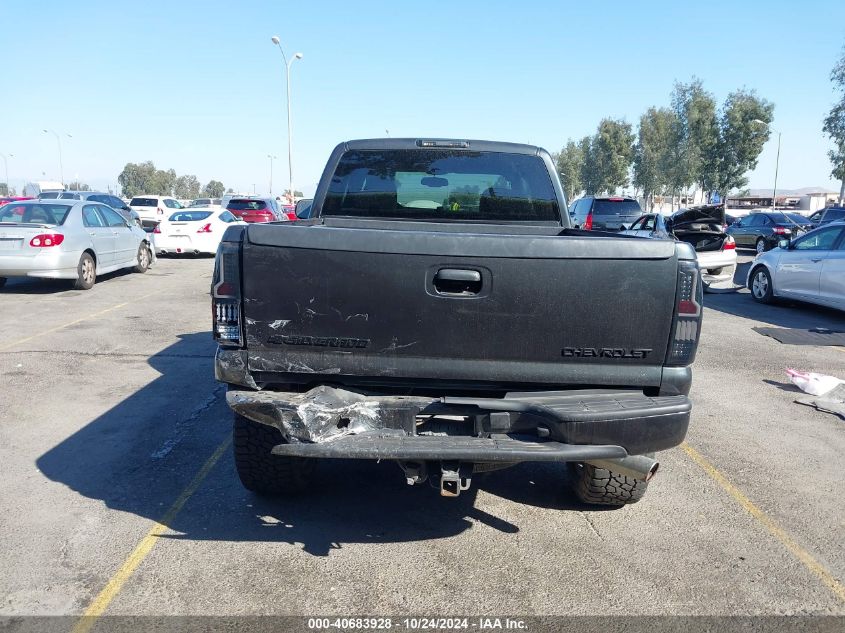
59	143
777	159
271	157
275	39
6	163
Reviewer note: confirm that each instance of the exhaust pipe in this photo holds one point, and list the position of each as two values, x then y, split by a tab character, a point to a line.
639	467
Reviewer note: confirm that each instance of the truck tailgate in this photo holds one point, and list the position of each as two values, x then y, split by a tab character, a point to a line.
427	305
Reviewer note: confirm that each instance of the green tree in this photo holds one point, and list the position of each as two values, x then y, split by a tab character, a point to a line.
569	163
164	182
5	190
741	139
654	152
214	189
590	177
696	136
834	126
137	179
187	187
613	152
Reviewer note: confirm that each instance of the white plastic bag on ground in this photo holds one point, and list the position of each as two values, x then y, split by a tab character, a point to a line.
812	383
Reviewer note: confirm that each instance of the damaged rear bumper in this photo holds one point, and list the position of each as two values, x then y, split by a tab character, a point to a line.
558	426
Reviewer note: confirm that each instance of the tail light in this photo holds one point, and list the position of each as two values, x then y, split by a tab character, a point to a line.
730	244
686	325
157	229
226	295
588	223
205	229
779	230
160	211
46	240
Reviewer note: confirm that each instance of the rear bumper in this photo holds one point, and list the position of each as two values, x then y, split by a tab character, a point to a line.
538	426
55	265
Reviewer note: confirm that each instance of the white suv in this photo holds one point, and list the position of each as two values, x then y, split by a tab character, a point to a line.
154	209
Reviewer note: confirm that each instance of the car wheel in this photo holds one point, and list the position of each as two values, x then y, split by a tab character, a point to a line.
599	486
761	285
761	245
86	273
143	259
258	469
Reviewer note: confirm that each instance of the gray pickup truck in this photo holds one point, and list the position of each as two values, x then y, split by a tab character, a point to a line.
437	309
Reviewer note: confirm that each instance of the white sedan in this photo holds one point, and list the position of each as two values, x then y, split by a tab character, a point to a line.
194	230
809	268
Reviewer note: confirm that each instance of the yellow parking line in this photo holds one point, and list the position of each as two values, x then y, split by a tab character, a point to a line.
116	582
6	346
767	522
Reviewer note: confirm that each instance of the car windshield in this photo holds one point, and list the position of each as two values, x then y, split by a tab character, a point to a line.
144	202
246	205
834	214
788	218
616	207
201	202
53	214
189	216
443	185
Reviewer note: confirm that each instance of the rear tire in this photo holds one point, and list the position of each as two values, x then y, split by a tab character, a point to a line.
258	469
761	285
143	259
598	486
761	246
86	273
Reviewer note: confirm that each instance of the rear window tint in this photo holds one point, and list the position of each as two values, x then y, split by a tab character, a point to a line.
144	202
34	213
616	207
189	216
451	185
834	214
246	205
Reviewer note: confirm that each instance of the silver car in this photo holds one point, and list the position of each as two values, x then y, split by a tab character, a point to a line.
68	239
809	268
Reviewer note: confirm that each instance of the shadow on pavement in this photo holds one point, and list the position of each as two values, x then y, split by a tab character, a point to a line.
36	286
787	313
138	457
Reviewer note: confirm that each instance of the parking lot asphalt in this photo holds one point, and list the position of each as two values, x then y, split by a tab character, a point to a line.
109	410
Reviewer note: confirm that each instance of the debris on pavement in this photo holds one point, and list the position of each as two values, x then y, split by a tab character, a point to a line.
831	402
799	336
813	383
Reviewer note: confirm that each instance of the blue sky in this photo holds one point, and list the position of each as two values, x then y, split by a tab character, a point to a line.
199	87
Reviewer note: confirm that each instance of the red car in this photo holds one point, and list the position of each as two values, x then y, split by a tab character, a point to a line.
13	199
255	209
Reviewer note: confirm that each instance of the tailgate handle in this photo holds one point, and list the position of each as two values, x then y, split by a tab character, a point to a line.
457	282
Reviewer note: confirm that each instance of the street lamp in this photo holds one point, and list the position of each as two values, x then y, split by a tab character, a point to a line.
275	39
6	163
59	143
271	157
777	159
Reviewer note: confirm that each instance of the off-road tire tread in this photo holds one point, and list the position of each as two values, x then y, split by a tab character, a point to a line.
598	486
258	469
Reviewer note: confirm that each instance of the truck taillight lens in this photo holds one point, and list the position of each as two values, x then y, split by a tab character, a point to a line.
45	240
226	295
588	223
686	325
205	229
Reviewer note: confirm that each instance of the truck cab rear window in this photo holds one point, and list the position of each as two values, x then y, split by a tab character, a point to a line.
442	185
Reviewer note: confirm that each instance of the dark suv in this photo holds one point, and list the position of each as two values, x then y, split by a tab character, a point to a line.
763	231
604	214
105	198
828	215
